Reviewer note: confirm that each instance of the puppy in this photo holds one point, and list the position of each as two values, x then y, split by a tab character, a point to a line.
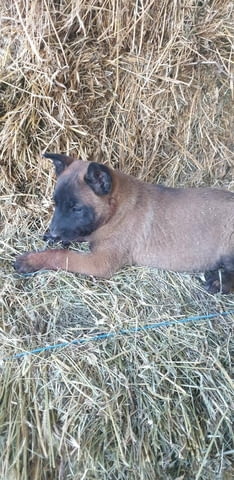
127	221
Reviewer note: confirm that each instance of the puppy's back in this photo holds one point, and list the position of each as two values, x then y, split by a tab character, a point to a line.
187	229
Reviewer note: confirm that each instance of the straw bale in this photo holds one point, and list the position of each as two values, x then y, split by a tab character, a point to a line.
149	84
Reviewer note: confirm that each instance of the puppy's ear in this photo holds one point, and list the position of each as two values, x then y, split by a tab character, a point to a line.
60	161
99	178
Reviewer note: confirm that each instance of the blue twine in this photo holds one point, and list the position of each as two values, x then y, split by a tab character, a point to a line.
103	336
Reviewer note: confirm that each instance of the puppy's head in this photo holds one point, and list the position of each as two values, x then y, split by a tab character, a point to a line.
82	198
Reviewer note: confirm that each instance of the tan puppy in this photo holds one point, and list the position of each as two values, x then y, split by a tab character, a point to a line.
127	221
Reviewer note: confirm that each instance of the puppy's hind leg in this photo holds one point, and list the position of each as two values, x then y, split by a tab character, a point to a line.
221	280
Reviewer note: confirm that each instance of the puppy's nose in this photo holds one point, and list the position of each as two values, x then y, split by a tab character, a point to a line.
46	236
50	237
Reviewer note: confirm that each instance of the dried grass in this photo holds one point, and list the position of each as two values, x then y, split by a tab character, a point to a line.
151	84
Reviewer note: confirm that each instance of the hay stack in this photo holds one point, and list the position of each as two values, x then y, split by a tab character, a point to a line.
149	83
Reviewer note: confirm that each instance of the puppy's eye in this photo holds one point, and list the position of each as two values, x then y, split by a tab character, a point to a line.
76	209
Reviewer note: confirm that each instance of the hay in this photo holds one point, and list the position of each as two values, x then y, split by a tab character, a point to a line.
151	85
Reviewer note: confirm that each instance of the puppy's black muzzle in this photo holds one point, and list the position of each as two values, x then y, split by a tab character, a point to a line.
52	239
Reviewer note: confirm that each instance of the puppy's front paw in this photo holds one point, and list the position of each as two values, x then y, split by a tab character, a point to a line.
26	263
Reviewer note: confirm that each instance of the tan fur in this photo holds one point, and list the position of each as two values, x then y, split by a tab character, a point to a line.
184	230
